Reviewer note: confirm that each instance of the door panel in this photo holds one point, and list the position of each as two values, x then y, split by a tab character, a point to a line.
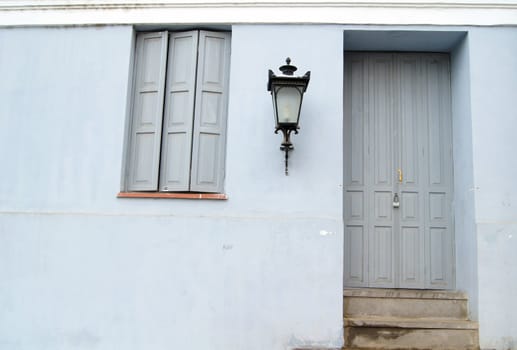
380	169
411	260
355	240
356	135
411	146
381	257
398	141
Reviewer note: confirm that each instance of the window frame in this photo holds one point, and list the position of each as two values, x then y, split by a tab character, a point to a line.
223	55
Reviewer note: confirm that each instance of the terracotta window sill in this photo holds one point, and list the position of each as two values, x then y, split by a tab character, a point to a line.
172	195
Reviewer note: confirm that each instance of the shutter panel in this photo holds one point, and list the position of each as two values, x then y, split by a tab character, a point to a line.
179	112
211	106
147	110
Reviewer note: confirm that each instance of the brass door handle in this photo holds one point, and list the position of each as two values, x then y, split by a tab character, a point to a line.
400	174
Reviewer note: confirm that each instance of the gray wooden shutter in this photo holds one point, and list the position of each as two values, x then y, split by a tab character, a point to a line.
147	110
179	112
211	104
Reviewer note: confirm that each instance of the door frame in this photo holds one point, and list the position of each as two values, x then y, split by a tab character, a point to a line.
455	41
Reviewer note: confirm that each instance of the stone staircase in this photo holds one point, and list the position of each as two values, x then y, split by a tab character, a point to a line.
408	319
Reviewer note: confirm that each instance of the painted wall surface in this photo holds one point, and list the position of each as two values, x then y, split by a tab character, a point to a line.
81	269
464	192
493	61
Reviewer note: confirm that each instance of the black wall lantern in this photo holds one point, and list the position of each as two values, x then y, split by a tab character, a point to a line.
287	92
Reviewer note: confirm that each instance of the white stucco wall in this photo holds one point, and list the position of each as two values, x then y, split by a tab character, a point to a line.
81	269
464	191
493	59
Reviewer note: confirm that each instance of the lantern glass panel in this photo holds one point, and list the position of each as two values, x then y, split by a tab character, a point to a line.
288	101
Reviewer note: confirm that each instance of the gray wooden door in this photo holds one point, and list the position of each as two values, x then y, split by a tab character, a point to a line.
398	149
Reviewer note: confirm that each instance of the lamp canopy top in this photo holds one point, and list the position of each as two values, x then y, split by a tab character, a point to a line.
287	77
288	69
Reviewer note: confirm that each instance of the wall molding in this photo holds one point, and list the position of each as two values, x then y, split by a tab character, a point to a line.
28	5
402	12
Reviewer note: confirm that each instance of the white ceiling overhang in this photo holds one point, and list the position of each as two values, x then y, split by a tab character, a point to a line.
378	12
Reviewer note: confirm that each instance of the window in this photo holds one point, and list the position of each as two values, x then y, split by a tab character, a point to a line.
178	112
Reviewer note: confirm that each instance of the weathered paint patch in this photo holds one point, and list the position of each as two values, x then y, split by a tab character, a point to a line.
326	233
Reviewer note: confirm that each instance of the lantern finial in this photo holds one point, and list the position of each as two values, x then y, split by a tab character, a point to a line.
288	69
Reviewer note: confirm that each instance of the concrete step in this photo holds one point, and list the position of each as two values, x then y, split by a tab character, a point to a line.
410	323
405	303
408	319
411	338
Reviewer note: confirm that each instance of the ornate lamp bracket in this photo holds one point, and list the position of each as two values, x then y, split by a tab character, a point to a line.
286	144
